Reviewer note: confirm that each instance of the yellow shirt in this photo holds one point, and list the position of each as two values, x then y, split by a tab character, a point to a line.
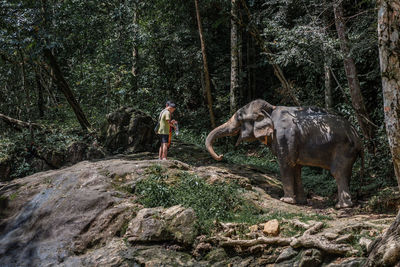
164	125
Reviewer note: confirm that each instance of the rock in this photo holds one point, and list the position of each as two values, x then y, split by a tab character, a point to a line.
287	254
76	152
201	249
311	258
157	255
129	130
330	235
5	169
95	152
271	227
253	228
50	212
147	226
181	223
366	243
352	262
158	224
75	217
55	159
344	239
216	255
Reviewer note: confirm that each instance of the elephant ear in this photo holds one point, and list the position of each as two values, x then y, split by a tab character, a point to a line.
263	126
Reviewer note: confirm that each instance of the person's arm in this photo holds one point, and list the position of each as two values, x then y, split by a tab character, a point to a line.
169	121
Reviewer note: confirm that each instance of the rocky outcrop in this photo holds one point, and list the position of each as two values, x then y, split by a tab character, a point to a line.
78	216
89	215
129	130
158	224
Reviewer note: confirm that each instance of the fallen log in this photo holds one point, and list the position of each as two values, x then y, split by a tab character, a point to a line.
18	124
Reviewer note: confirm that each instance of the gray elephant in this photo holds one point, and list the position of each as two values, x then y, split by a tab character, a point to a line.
298	136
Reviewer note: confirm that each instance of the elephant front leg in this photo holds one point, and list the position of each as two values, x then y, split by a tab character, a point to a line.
288	182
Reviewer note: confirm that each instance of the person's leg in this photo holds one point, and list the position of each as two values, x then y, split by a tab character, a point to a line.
164	150
160	152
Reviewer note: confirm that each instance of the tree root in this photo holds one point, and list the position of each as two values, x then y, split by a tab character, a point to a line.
307	240
279	241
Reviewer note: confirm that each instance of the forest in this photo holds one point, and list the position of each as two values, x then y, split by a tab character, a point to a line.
82	84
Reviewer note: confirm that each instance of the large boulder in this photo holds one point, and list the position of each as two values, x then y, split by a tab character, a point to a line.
158	224
129	130
50	216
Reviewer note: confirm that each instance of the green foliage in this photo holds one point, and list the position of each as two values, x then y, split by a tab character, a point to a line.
216	202
386	200
319	182
262	159
220	202
23	149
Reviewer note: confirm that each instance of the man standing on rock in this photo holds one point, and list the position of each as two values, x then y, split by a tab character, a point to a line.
165	125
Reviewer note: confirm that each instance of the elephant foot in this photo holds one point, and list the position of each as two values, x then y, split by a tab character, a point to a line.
344	201
342	204
301	200
289	200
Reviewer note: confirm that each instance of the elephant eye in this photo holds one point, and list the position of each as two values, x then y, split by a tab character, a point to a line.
259	118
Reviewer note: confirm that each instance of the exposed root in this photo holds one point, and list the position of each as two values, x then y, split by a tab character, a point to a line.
307	240
279	241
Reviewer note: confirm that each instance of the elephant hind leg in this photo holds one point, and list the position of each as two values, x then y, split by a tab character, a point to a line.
342	176
300	196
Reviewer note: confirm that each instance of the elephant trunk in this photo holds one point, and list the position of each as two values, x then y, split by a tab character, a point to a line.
229	128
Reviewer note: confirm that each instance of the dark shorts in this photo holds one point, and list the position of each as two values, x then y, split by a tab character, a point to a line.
164	138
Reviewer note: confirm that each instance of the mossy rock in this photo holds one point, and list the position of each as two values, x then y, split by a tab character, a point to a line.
129	130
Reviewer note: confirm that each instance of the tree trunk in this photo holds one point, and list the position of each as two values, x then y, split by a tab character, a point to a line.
206	73
352	76
386	250
135	52
23	81
40	101
388	33
234	58
248	69
66	90
328	87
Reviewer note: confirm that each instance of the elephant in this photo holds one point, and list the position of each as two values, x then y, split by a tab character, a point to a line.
297	136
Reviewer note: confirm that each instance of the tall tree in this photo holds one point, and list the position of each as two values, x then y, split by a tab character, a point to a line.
254	32
205	64
351	74
234	57
328	86
135	51
386	249
388	32
66	90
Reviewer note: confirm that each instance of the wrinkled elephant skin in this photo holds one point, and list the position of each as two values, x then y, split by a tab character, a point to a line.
298	136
